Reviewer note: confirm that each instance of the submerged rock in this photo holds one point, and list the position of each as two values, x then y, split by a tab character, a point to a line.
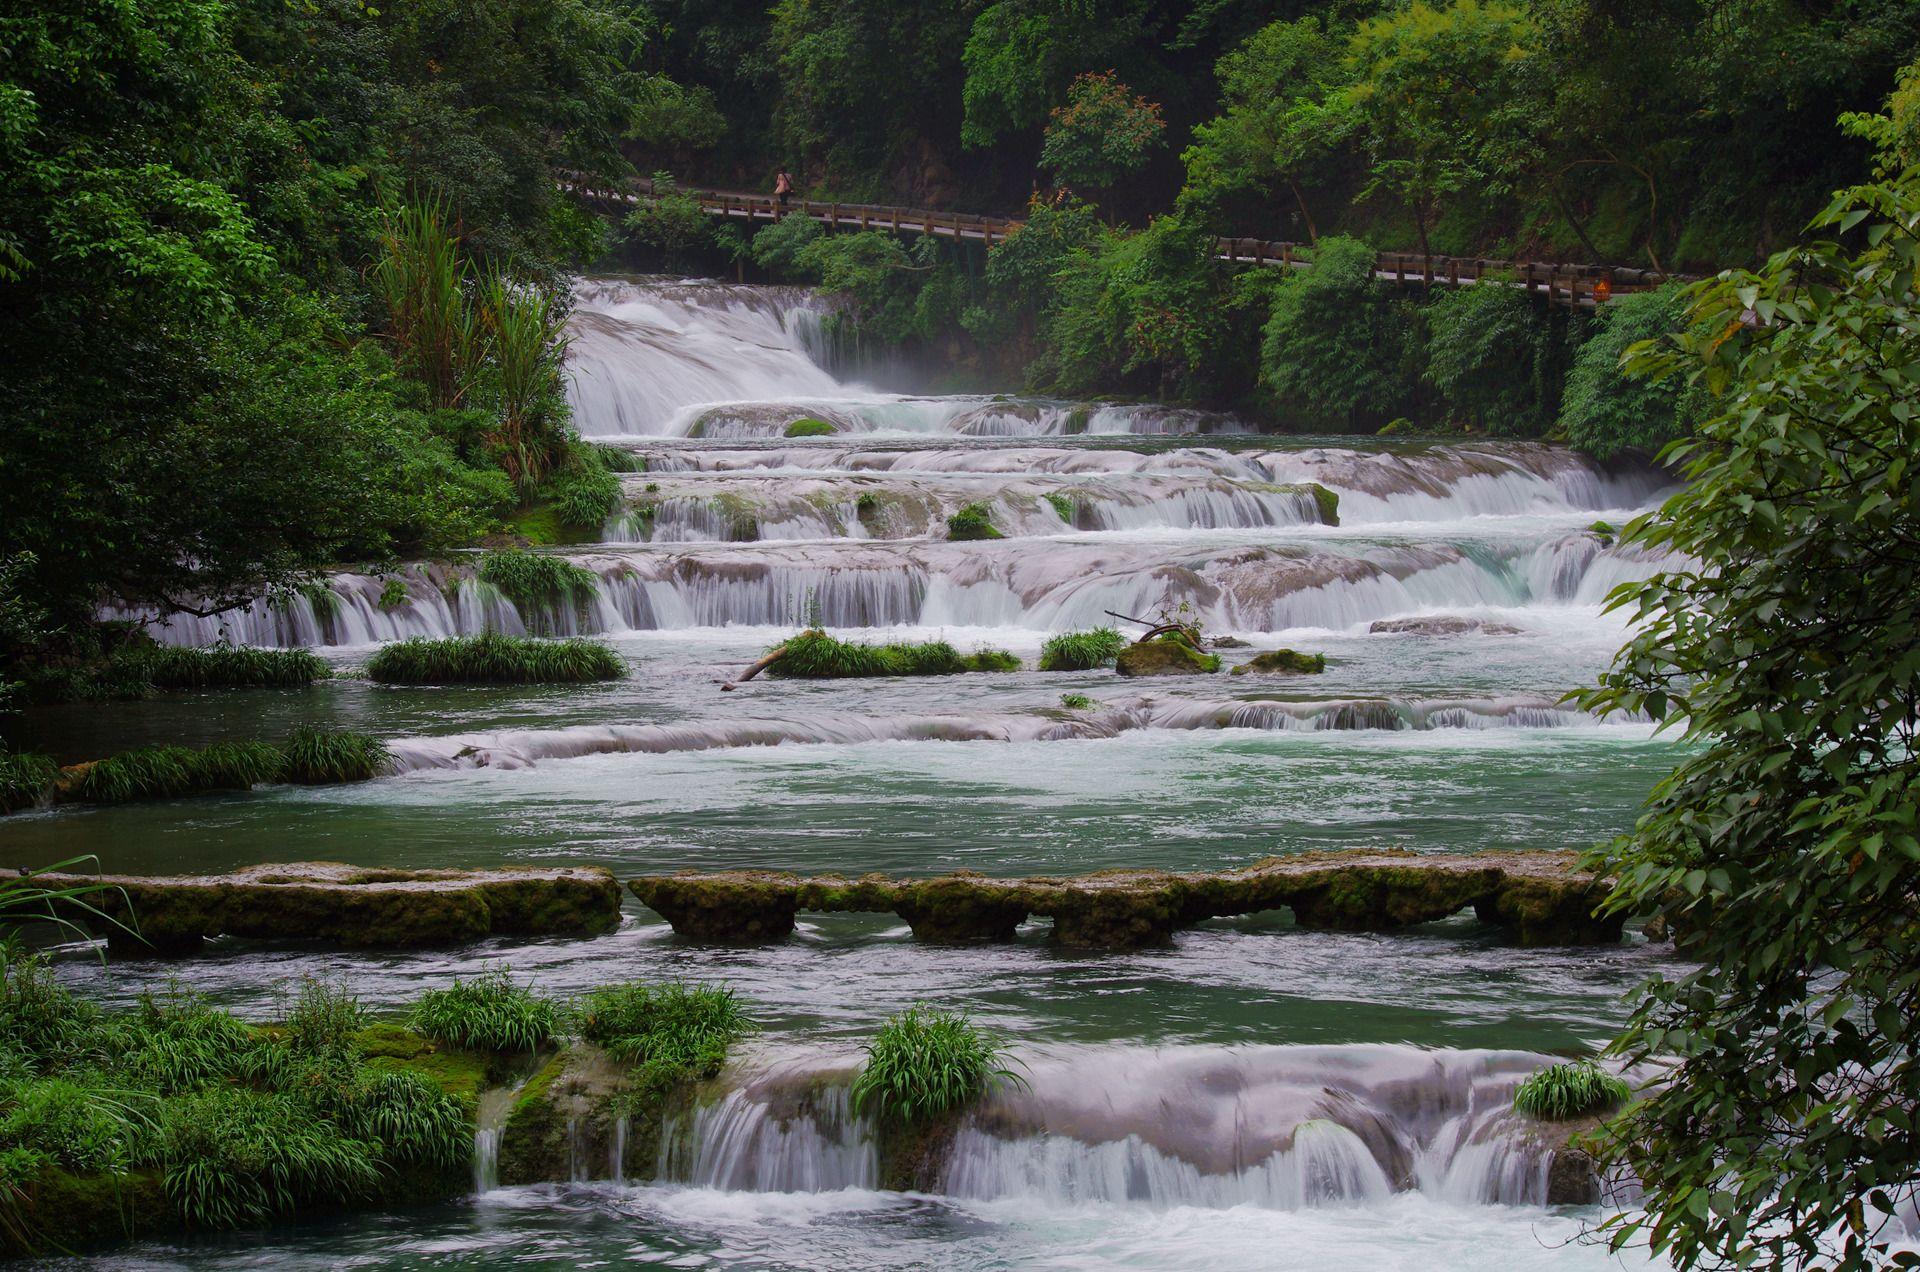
1440	625
1165	658
349	905
1283	662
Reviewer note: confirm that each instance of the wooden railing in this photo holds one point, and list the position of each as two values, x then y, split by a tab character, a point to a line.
1582	286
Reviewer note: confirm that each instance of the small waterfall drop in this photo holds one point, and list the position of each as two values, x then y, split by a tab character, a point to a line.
490	1120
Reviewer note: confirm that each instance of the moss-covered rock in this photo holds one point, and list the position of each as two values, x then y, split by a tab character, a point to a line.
1165	657
807	426
533	1143
734	909
60	1211
391	1047
352	906
1283	662
960	909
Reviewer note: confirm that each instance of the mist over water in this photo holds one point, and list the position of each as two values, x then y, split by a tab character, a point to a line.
1255	1094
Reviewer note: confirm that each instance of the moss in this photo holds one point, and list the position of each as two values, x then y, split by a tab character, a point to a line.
1063	506
960	909
809	427
391	1047
913	1155
1283	661
1165	657
973	522
533	1143
1329	504
62	1211
723	910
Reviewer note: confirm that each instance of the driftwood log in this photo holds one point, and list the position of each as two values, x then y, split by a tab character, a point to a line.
771	658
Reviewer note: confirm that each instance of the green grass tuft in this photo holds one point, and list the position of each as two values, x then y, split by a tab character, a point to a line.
493	658
810	428
1081	651
227	667
1063	504
535	581
1076	702
25	779
169	772
670	1033
814	655
1575	1089
321	757
926	1064
970	523
487	1013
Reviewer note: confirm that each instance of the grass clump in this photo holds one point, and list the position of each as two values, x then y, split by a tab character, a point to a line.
239	1124
168	772
25	779
814	655
926	1064
487	1013
1062	504
1081	651
1076	701
228	667
970	523
493	658
322	757
670	1033
1574	1089
810	428
534	581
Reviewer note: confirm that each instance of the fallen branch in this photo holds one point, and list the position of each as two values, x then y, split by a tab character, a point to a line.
728	686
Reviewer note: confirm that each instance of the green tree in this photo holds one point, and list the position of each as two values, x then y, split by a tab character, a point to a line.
1021	55
1102	133
1606	410
1496	359
1335	352
1275	126
1785	849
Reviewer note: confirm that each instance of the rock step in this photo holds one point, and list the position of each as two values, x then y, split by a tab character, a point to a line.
1540	898
350	905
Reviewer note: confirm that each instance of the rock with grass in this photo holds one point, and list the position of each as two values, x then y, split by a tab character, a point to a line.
1283	662
807	426
973	522
923	1070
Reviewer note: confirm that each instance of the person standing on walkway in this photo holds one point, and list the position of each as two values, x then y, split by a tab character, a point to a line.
783	188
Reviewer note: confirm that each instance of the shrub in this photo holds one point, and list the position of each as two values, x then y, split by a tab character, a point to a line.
1604	410
494	658
487	1013
1336	351
228	666
83	1124
41	1022
1576	1089
232	1156
926	1064
320	757
671	1033
25	779
972	522
810	428
533	581
393	594
174	1042
585	493
1081	651
323	1017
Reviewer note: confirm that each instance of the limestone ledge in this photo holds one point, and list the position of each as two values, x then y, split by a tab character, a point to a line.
1540	898
351	905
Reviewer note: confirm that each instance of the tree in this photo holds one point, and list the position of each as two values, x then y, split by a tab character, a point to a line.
1605	410
1275	125
1496	359
1020	54
1335	352
1435	98
1784	851
1103	132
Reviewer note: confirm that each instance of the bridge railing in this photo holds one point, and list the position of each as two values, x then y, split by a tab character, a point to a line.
1583	286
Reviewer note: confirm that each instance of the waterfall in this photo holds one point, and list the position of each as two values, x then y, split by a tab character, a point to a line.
617	1150
1278	1127
490	1120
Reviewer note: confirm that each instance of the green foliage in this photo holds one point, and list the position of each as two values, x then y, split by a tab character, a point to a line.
535	582
168	772
670	1033
1580	1088
25	779
1782	850
670	221
523	325
814	655
423	278
809	428
393	594
225	667
1608	411
585	491
324	1016
777	247
1081	651
972	522
1020	57
83	1122
235	1157
493	658
317	757
1495	358
1102	133
984	659
1333	352
926	1064
1077	702
488	1013
1062	506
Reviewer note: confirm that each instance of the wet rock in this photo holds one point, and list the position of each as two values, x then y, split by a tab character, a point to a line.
1440	625
960	909
1229	642
561	1126
352	906
1573	1178
1165	658
1283	662
737	909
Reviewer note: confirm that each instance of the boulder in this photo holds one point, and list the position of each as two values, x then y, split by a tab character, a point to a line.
1285	662
1165	658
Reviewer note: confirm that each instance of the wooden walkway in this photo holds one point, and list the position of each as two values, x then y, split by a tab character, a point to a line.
1582	286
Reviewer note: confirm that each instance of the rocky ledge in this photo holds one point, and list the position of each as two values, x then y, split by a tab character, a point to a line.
1539	898
350	905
